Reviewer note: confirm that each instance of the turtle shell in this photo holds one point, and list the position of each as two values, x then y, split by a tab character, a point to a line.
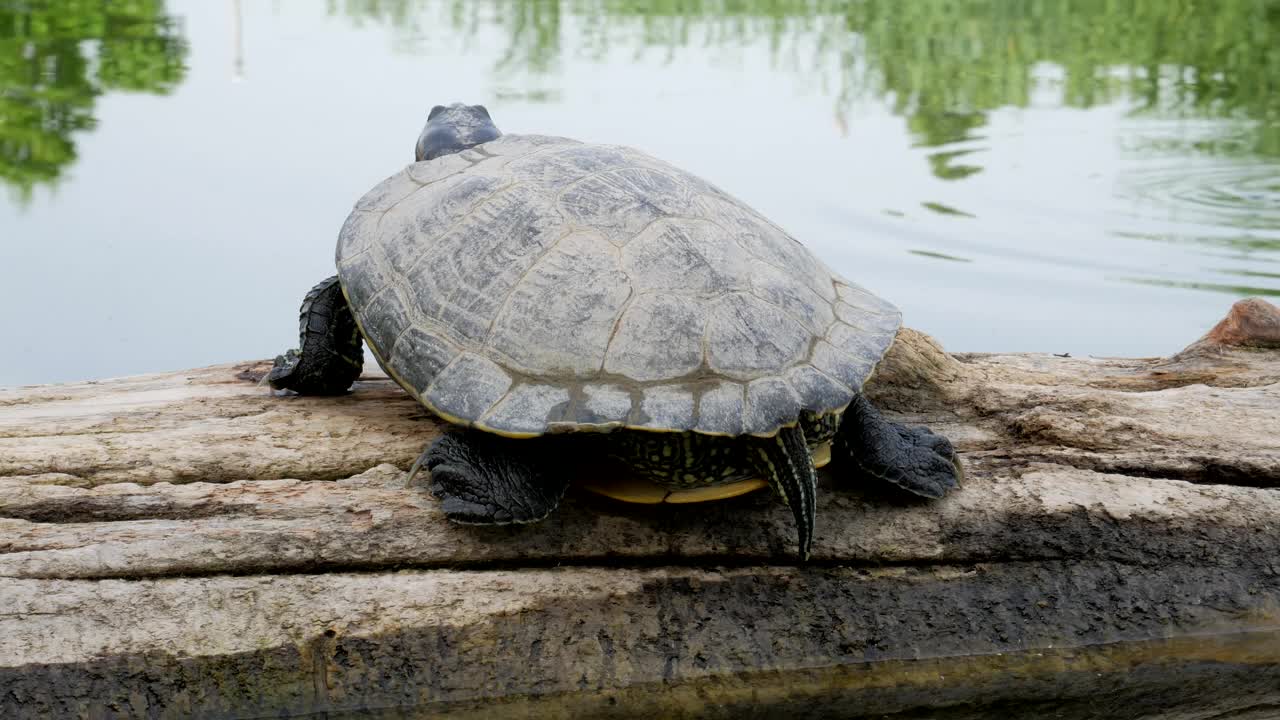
539	284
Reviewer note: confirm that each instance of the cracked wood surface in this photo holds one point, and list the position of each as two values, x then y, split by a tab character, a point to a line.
188	544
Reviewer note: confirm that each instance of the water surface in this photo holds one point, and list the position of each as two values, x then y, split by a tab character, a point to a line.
1087	177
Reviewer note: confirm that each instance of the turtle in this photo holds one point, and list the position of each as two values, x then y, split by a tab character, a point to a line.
561	302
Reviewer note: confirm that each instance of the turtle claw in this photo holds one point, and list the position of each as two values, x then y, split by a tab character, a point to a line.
914	459
484	479
921	463
282	369
417	466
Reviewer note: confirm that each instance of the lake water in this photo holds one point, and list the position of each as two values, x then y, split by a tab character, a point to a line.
1088	177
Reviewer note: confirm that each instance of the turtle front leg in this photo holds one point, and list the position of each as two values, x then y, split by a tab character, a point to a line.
486	479
785	462
914	459
330	355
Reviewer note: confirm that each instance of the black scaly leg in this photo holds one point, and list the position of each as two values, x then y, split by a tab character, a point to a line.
784	460
914	459
329	355
486	479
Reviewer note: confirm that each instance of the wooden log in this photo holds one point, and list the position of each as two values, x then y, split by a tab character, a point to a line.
189	544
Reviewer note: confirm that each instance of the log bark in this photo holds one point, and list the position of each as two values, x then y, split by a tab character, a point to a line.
189	544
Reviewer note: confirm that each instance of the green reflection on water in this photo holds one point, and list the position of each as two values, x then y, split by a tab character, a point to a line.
1250	273
1240	290
56	58
949	63
1244	245
939	256
944	209
942	65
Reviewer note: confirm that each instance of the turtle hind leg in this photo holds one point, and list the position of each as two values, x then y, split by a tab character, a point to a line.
485	479
914	459
330	355
784	461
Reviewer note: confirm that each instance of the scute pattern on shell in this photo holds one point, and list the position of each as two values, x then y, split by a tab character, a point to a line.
538	284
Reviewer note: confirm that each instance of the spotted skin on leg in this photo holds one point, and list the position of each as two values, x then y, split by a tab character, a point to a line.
914	459
486	479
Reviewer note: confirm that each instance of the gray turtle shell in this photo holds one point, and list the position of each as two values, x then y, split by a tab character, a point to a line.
538	284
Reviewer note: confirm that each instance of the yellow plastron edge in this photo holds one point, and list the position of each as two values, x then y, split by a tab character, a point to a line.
636	490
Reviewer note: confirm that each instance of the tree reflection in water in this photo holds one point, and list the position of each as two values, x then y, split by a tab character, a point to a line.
56	58
942	65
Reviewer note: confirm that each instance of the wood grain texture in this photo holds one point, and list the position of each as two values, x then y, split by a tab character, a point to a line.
188	544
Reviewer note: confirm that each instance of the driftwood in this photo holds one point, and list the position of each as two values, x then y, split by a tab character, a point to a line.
187	544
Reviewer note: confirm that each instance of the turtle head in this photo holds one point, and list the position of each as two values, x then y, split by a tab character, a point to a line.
454	128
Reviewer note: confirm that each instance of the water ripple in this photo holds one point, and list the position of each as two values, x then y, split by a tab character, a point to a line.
1243	195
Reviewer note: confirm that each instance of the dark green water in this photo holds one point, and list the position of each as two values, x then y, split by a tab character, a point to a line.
1093	177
